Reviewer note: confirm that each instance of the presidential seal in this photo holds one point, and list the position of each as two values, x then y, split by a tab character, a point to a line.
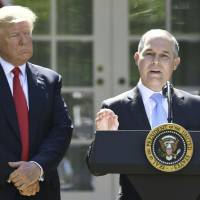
169	147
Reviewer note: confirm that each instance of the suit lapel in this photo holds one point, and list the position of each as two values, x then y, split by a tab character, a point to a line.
36	88
137	109
6	100
178	107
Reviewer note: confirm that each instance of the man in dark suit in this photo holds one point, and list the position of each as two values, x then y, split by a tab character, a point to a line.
156	58
35	125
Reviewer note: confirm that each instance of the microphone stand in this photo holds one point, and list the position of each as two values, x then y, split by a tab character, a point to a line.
168	93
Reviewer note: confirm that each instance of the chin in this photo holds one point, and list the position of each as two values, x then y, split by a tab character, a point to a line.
156	86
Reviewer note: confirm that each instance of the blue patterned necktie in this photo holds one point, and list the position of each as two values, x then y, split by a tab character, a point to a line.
159	115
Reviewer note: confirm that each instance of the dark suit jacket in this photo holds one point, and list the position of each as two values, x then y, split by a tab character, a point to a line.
132	116
50	130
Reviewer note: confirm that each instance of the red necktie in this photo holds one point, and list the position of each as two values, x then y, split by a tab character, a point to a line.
22	113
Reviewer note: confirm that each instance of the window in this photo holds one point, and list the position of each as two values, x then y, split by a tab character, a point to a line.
180	18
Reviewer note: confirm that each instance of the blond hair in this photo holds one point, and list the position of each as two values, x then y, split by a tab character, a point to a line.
15	14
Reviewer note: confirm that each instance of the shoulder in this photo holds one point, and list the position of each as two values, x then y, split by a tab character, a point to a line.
43	72
122	98
188	97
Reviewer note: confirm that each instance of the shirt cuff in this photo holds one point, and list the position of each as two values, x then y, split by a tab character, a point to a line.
41	178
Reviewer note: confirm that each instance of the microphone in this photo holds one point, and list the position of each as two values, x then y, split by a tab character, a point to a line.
168	92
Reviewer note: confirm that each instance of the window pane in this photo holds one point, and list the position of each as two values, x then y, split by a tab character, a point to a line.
41	53
145	15
75	63
81	109
185	16
74	16
42	10
133	69
188	72
73	172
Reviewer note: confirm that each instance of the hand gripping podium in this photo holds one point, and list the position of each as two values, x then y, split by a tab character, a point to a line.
123	152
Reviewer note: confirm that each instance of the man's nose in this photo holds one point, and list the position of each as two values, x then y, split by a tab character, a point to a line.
23	39
155	60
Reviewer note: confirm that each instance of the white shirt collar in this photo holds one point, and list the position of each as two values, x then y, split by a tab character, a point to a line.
148	102
145	92
8	67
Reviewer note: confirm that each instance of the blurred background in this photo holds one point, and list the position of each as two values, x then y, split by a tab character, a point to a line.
91	44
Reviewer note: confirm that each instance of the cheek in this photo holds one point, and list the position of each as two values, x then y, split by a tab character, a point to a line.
144	64
169	71
143	70
141	63
145	61
12	46
30	44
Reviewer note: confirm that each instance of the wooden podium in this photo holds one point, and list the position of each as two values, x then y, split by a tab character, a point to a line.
123	152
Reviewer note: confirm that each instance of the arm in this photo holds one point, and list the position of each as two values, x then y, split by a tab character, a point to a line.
59	136
105	120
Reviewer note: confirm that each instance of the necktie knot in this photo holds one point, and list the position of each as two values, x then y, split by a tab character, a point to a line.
157	97
16	71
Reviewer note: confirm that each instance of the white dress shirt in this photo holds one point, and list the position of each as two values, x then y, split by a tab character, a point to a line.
7	68
149	103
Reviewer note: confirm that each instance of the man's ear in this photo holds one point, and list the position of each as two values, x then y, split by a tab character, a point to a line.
176	62
136	57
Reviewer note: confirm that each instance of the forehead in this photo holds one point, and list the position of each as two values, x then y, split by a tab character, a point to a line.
19	26
161	43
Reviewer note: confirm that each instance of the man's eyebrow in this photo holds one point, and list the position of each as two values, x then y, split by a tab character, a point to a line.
167	52
149	49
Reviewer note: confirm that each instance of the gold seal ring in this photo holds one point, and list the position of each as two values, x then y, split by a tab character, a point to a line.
169	147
